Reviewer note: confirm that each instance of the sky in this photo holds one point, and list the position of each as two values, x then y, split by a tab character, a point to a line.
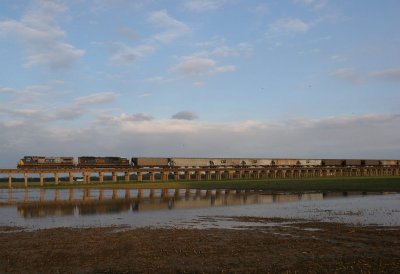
199	78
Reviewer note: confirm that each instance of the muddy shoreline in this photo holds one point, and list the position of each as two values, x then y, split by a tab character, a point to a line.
272	245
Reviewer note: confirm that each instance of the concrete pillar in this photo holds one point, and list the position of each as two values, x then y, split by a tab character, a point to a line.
101	176
10	180
84	177
238	174
187	175
208	175
218	175
25	180
152	177
114	177
41	175
71	178
127	176
139	176
164	175
198	175
56	178
256	174
151	193
139	193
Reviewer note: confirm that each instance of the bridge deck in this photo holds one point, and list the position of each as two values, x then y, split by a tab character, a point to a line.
193	173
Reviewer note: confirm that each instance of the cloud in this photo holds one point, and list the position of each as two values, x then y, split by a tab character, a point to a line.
352	76
43	39
338	58
262	8
126	54
389	74
288	25
185	115
6	90
315	4
97	98
199	66
348	75
173	28
128	33
193	65
348	136
225	51
203	5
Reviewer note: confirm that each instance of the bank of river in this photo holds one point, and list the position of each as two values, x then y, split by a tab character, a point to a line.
288	246
112	230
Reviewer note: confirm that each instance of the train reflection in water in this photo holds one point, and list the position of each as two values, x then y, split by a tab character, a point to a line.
78	202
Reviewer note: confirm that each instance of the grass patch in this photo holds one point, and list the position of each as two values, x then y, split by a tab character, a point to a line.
295	185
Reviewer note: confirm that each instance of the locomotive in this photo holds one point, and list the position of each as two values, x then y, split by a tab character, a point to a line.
181	162
68	162
46	162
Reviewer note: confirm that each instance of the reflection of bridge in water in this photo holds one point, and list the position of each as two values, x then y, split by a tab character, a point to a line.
107	201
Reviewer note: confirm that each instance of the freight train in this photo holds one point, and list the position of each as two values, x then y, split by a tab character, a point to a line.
179	162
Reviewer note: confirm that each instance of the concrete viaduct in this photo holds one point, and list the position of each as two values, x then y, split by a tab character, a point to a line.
190	173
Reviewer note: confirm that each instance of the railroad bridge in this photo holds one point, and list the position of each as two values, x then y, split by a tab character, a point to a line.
133	174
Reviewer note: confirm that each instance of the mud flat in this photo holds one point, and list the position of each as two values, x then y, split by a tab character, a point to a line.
267	245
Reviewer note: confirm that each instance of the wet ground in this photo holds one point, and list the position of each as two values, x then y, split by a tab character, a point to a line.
189	231
272	246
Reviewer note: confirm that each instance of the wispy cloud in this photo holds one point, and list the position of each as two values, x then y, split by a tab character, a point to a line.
185	115
203	5
125	54
349	75
288	25
199	66
238	50
389	74
352	76
173	28
97	98
314	4
43	39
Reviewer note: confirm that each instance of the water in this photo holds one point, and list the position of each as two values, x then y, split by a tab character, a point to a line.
51	208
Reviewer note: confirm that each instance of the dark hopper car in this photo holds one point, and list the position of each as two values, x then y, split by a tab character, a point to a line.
102	162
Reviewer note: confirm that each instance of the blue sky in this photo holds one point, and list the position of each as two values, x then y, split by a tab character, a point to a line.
296	78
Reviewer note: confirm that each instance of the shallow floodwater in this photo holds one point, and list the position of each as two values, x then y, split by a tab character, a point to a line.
50	208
